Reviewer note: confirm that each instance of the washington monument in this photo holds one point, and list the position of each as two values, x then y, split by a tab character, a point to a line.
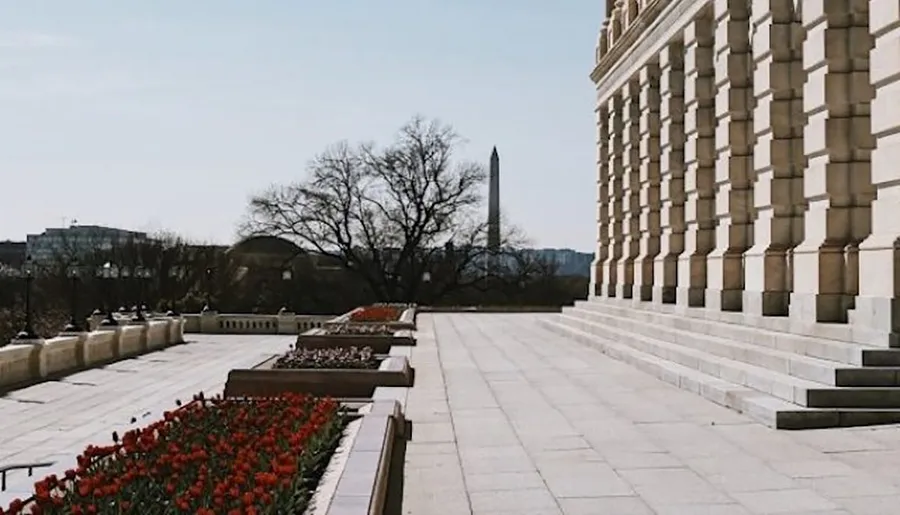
493	221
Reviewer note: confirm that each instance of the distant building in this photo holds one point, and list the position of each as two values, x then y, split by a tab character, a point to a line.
568	261
12	253
78	240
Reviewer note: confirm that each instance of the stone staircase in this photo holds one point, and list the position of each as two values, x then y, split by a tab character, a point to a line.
784	380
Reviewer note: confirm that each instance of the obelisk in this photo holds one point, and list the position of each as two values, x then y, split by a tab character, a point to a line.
493	221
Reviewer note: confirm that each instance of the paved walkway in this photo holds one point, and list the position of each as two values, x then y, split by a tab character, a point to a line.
56	420
511	418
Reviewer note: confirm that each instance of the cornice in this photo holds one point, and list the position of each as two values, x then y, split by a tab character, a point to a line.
645	36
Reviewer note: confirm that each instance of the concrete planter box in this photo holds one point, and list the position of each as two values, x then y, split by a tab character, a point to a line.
407	320
264	381
359	473
381	344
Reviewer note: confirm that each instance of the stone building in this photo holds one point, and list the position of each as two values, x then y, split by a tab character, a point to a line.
748	176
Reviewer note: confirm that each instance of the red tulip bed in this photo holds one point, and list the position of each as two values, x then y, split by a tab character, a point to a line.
376	314
211	456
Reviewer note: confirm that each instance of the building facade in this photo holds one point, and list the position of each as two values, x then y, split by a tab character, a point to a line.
747	161
77	240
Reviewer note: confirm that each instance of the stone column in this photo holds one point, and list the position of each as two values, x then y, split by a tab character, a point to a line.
734	155
601	256
671	141
838	144
779	159
616	194
631	97
699	178
650	230
876	317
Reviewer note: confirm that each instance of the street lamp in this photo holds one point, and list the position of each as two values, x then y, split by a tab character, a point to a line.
27	333
108	272
426	280
125	274
176	273
286	276
74	325
209	282
140	275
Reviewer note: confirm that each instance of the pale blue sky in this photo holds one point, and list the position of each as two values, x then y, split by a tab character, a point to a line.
168	114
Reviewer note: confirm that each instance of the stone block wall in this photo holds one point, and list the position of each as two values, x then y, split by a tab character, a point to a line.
746	156
35	360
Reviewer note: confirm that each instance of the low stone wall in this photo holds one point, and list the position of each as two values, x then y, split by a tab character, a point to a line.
36	360
490	309
230	323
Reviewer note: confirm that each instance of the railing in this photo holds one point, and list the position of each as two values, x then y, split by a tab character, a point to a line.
29	466
233	323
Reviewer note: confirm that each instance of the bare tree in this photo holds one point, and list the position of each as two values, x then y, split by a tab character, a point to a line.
389	215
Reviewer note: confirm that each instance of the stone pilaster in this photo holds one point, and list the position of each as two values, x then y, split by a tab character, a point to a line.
631	112
616	193
598	279
779	158
699	179
876	317
838	144
672	141
734	155
650	230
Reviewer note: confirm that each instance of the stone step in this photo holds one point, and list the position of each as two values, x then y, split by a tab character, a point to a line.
818	370
764	408
760	406
783	386
881	358
821	348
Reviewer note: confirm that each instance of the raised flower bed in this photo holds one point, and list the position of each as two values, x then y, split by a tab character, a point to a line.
338	372
210	456
395	316
294	454
379	337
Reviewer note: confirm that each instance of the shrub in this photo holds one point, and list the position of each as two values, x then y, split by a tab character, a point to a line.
208	457
352	357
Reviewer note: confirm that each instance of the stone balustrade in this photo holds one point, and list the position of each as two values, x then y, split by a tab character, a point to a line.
232	323
747	162
29	361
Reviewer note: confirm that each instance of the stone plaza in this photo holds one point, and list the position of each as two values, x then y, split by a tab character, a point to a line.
507	418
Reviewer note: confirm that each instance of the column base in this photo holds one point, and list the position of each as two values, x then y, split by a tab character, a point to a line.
625	291
691	297
664	295
823	307
646	293
724	300
875	321
766	303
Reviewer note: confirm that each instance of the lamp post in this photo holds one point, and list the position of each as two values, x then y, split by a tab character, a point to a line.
74	325
426	281
209	283
286	276
125	274
108	273
176	273
27	333
140	275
